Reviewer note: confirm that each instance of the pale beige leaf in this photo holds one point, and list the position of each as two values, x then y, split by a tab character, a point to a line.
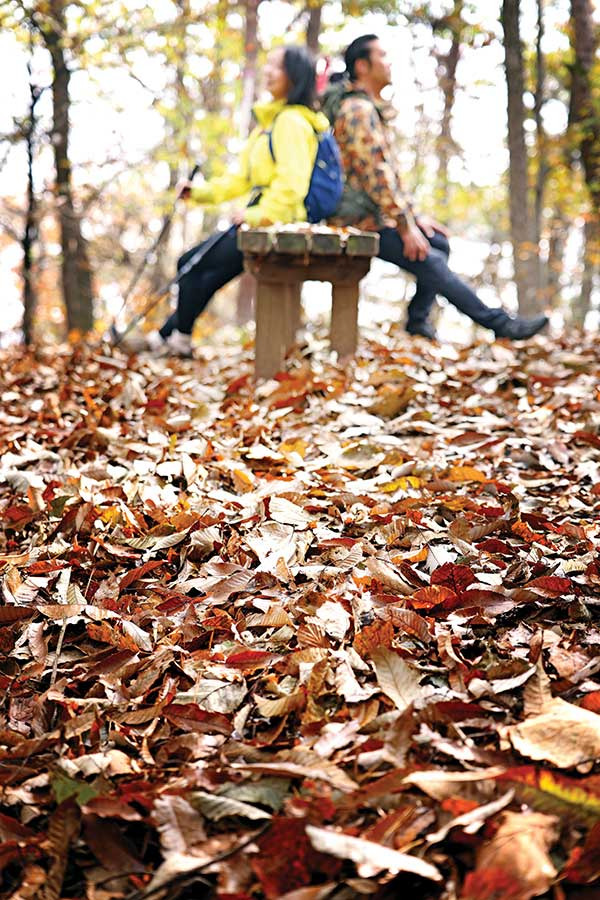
280	706
336	735
281	510
348	686
472	821
138	635
215	696
563	734
398	680
439	784
180	826
384	573
174	865
216	807
370	857
537	694
303	764
334	619
520	848
274	617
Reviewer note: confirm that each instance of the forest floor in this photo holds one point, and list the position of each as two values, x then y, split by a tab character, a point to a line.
338	637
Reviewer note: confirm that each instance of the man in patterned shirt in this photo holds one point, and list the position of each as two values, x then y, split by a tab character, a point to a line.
374	200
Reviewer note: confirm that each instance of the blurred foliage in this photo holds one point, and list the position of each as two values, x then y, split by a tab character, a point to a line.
176	65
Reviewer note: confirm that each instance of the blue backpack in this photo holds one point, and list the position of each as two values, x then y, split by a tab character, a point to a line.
327	179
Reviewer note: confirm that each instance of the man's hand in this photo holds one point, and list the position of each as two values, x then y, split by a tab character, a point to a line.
416	245
183	190
239	217
430	225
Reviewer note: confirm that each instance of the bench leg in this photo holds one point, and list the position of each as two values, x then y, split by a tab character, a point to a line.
272	328
344	320
292	308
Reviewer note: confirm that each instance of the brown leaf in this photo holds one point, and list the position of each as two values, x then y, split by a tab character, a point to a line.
62	829
11	614
521	847
369	857
109	845
563	734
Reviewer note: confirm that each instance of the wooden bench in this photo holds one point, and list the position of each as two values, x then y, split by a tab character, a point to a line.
281	259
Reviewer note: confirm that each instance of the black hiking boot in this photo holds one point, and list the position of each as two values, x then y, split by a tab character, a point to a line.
423	329
520	328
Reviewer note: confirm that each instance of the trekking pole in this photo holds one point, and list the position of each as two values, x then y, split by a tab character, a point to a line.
150	253
117	337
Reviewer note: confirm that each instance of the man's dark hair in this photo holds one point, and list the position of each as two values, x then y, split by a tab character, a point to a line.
360	48
301	70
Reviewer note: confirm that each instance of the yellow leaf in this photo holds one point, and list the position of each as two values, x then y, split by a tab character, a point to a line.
466	473
298	447
243	481
402	484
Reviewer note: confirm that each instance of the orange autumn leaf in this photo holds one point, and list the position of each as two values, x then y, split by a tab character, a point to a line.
465	473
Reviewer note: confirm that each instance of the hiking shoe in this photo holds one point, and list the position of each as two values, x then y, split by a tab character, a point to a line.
520	328
423	329
178	344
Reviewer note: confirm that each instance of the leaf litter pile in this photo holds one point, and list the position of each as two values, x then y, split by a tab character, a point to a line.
338	637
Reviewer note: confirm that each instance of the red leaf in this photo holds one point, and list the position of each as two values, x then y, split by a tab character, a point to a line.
587	437
139	572
591	701
493	545
251	660
189	717
18	516
491	884
287	861
553	585
457	578
338	542
428	597
583	866
379	634
10	614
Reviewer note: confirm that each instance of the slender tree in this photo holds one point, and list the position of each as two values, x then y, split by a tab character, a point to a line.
447	64
313	28
584	122
75	265
30	229
247	284
522	221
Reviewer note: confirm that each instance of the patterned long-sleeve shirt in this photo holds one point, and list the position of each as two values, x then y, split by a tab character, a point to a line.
364	139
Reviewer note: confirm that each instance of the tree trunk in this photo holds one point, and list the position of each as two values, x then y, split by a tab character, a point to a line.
589	257
30	231
521	215
75	265
313	29
178	137
447	66
540	94
584	112
557	245
250	66
542	170
247	284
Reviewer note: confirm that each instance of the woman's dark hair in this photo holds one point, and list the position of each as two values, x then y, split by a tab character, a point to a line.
360	48
300	68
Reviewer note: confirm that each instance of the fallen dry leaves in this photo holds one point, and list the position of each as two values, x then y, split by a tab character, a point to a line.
337	637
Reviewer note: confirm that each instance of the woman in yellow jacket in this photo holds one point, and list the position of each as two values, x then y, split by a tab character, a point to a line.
280	179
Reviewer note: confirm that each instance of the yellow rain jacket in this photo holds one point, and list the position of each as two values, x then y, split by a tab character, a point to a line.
283	182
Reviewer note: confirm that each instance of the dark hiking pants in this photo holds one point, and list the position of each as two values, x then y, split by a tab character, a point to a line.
434	277
221	264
